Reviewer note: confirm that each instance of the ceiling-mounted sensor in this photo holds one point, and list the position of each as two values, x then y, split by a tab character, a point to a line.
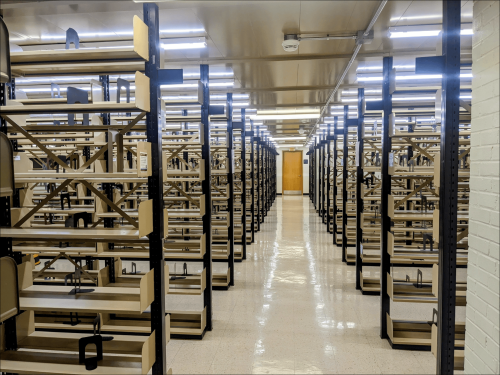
291	43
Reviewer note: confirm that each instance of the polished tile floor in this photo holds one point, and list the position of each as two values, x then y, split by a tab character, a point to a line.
294	309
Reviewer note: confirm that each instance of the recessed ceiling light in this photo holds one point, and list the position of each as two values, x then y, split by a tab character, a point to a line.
424	30
288	138
183	43
287	111
286	117
290	145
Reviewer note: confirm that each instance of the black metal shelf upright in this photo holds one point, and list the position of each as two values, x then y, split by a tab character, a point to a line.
258	175
155	187
207	191
328	172
252	175
319	201
265	175
448	65
334	180
322	170
263	181
230	184
311	174
6	250
359	183
385	259
347	194
241	128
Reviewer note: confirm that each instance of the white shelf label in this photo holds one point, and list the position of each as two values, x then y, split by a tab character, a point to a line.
144	162
357	154
391	159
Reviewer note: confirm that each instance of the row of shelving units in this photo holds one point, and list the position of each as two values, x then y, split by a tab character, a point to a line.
310	162
401	202
243	227
109	206
222	154
349	158
74	198
187	199
264	175
368	184
415	195
333	171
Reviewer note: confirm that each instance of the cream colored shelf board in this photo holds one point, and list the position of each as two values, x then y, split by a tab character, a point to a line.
123	67
45	101
73	108
69	234
69	55
79	305
55	250
23	362
76	128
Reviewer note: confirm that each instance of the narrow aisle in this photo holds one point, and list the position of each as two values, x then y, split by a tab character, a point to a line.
294	309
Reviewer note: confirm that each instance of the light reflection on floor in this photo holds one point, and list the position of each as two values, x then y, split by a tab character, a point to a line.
294	309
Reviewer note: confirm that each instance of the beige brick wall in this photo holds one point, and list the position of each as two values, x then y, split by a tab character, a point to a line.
482	322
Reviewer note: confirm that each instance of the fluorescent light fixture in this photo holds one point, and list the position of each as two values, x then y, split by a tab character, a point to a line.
355	92
181	31
424	30
16	37
288	111
413	34
426	17
287	114
91	35
285	117
380	68
287	138
194	85
283	145
211	74
409	77
184	43
349	115
368	99
102	34
166	43
405	98
224	97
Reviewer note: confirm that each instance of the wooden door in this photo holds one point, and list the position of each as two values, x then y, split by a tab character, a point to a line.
292	172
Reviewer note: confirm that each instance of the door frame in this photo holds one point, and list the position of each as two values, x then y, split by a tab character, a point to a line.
301	171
